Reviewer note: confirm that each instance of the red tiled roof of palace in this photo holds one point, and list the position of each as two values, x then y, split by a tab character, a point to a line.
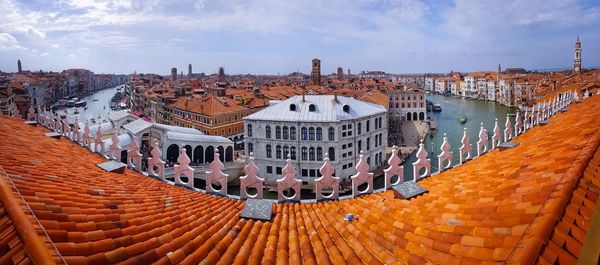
501	207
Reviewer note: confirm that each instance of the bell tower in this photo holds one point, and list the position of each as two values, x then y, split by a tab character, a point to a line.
577	58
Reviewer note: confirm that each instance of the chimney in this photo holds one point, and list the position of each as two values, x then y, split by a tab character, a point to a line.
303	96
335	99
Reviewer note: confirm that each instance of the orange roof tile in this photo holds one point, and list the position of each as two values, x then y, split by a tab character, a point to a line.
501	207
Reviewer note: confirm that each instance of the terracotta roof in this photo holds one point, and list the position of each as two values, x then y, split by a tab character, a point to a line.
208	105
501	207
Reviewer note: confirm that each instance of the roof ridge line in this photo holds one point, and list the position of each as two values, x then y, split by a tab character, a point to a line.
35	248
553	213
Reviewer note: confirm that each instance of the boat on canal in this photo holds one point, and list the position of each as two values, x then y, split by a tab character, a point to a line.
437	107
81	103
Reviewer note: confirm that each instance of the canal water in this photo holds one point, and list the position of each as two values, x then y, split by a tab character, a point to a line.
98	104
453	108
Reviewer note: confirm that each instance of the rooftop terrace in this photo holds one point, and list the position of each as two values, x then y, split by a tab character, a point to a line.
531	203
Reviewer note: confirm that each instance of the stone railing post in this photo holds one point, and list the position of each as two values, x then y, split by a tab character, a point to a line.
66	129
518	126
327	181
31	114
465	148
215	174
395	169
422	162
362	176
446	156
16	113
76	134
482	144
114	150
184	169
288	181
251	180
156	161
134	157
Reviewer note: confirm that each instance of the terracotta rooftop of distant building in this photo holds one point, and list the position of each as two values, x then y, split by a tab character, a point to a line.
208	105
530	203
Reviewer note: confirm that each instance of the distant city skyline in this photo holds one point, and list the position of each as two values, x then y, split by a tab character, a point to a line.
271	37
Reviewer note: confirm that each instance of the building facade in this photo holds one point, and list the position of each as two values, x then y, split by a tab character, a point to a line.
407	104
307	127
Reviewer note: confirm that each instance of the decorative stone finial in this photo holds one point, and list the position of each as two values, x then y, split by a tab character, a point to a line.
422	162
394	169
496	137
134	157
465	148
184	168
76	134
87	142
362	176
215	174
98	143
288	181
66	129
518	126
251	180
482	144
446	156
156	161
327	181
31	114
114	150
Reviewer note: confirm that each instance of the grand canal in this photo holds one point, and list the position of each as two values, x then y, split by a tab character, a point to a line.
453	108
98	104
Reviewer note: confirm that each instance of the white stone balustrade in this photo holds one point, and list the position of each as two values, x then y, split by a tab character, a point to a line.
216	175
362	176
482	144
465	148
66	128
422	162
98	143
327	182
57	124
16	113
446	156
184	169
395	169
251	180
156	161
31	116
134	157
288	183
114	150
496	137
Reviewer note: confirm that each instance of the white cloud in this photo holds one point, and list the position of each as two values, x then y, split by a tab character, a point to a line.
8	42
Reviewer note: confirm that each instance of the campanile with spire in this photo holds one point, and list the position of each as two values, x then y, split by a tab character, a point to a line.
577	58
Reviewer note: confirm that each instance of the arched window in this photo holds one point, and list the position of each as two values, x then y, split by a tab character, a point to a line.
331	153
359	128
380	139
286	132
319	154
311	154
278	152
319	134
368	125
359	147
311	133
293	152
269	151
292	107
250	148
249	130
331	134
368	143
277	132
304	154
268	131
286	151
346	108
312	107
292	133
304	134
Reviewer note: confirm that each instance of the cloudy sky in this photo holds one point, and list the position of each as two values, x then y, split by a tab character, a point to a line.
281	36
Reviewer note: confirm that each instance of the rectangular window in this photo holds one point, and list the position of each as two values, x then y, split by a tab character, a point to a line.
278	170
313	173
305	172
270	169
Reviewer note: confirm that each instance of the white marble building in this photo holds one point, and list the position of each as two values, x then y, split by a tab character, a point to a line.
307	127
